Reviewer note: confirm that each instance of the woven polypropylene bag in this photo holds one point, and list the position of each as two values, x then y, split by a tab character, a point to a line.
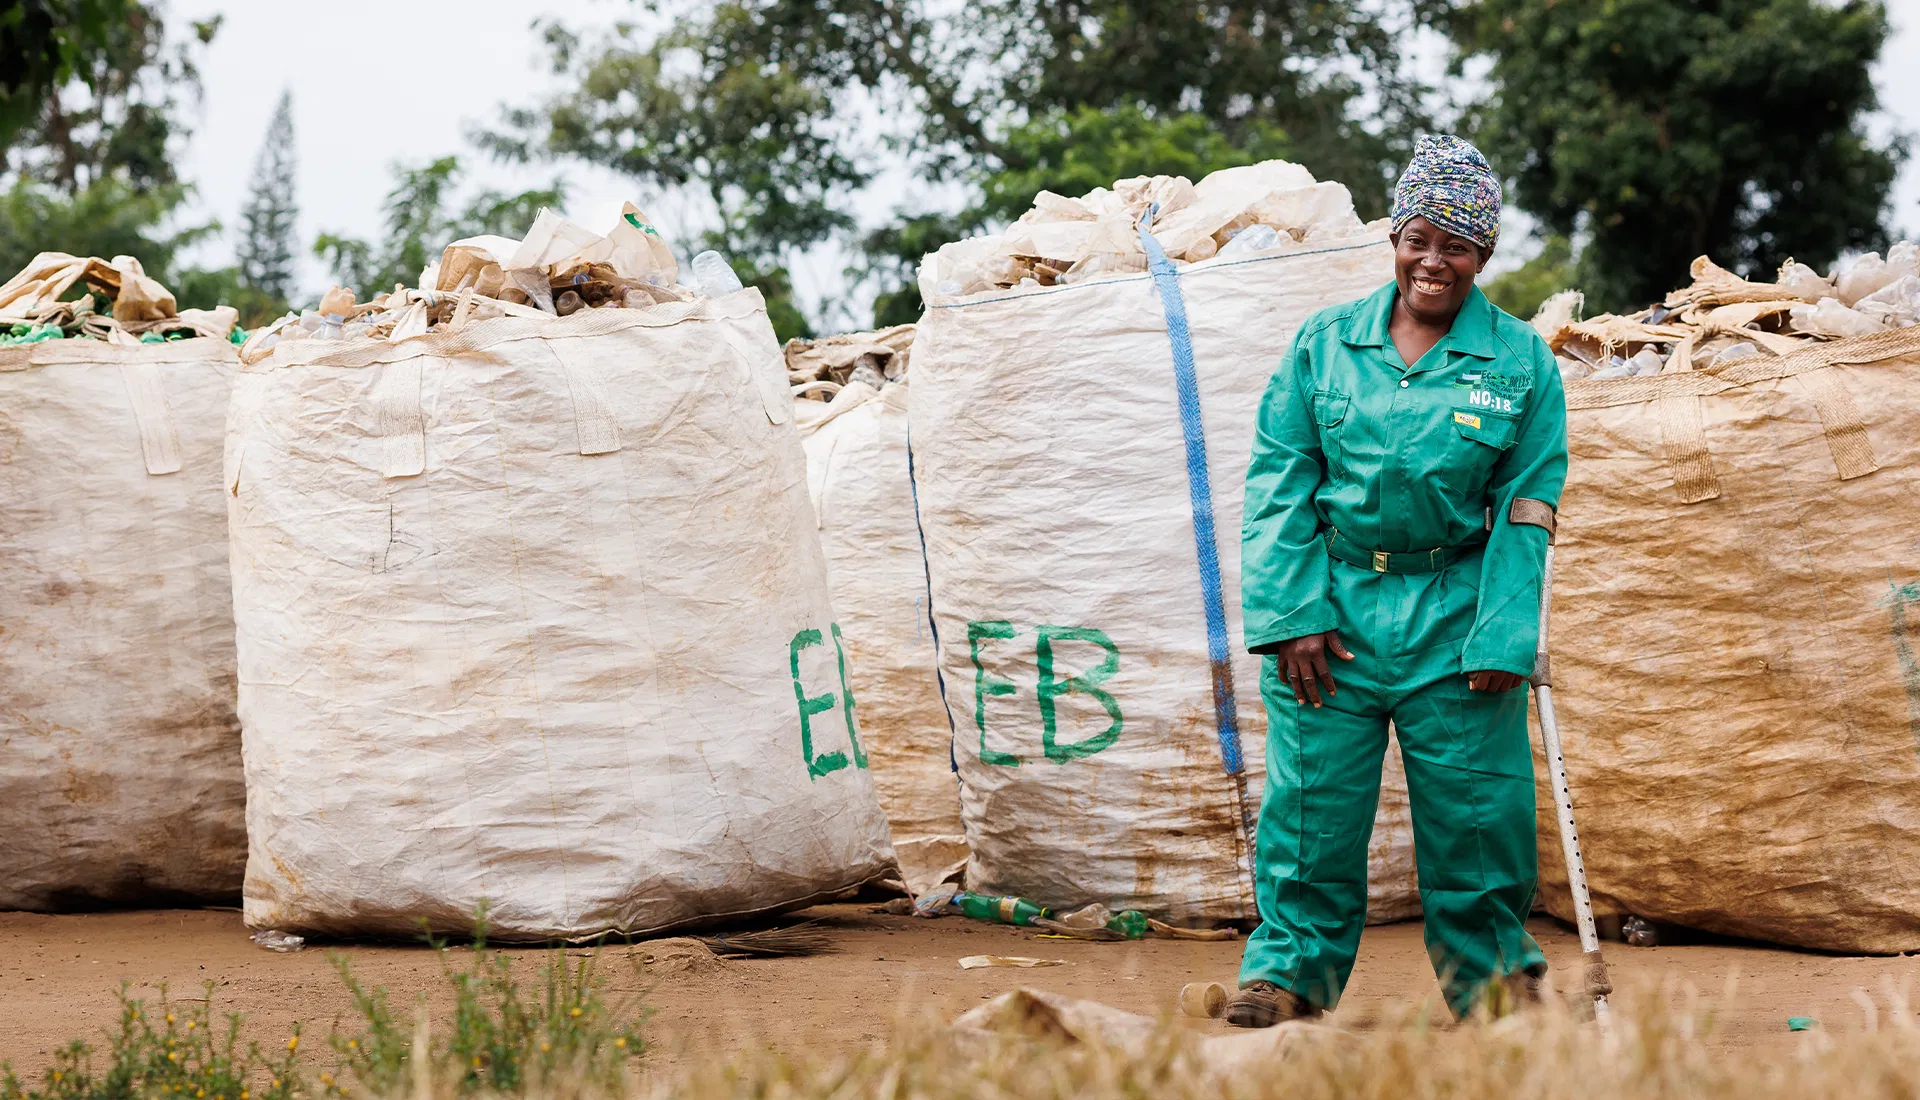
1055	495
533	614
119	751
857	470
1736	590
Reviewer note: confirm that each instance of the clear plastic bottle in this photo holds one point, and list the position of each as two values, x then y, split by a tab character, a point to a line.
714	274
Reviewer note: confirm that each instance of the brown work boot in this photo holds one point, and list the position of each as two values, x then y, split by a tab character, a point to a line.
1264	1004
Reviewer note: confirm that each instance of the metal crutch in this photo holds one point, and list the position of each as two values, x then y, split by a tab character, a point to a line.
1595	965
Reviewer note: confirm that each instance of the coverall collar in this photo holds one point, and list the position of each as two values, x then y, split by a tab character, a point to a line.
1472	331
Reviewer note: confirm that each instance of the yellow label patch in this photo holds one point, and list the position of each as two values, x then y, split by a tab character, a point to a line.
1468	419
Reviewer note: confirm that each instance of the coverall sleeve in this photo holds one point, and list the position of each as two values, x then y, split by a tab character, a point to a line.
1506	627
1283	559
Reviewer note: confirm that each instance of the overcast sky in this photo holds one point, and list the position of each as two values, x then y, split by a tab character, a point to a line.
403	80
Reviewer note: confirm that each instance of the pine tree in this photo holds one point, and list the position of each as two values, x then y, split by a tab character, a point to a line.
266	249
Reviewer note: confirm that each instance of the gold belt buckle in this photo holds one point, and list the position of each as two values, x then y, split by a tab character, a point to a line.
1379	561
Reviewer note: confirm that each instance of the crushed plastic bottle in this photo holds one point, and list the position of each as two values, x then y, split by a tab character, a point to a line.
1645	362
1254	238
714	275
275	940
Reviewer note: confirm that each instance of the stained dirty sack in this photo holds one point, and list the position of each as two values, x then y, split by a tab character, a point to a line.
1065	584
532	612
1736	595
119	751
856	450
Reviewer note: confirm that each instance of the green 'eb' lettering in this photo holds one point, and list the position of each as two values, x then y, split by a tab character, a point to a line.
819	704
846	693
986	683
1051	688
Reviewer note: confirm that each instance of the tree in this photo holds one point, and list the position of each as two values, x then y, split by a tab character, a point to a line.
1521	290
419	225
1654	131
44	44
92	128
750	101
268	220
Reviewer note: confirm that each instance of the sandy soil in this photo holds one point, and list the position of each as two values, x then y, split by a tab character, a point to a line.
59	976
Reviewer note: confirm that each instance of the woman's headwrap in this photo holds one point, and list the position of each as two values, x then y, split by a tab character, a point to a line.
1450	184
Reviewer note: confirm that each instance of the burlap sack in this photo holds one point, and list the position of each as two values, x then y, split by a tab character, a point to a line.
1737	586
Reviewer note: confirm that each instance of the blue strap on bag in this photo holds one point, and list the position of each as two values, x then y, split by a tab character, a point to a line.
1200	489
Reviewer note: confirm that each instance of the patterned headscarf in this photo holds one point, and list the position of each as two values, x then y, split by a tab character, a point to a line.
1451	185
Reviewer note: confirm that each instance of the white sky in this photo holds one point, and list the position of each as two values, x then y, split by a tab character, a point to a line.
376	83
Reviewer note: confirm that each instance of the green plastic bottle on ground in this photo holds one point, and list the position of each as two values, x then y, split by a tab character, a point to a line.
1003	910
1131	923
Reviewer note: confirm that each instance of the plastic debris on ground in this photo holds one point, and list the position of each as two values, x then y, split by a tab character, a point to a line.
556	270
137	309
1233	212
1022	962
283	942
1721	318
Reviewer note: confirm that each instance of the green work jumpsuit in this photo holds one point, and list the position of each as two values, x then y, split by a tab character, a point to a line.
1358	452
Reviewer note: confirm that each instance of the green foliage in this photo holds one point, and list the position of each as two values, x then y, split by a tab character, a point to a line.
1521	290
46	43
110	217
891	256
752	102
173	1050
502	1039
421	222
1073	152
268	220
1666	130
121	113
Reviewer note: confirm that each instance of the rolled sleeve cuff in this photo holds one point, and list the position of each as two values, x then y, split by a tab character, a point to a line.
1315	618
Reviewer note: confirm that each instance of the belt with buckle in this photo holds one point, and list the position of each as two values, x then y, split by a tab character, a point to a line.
1381	561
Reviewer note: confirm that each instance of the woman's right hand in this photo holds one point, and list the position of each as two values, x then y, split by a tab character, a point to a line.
1303	664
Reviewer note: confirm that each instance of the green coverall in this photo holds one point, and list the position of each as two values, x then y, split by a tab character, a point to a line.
1400	459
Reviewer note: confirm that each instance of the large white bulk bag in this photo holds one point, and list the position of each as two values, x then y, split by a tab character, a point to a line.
533	613
862	493
119	751
1060	536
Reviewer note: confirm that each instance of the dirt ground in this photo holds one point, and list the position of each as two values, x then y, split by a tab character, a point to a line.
59	976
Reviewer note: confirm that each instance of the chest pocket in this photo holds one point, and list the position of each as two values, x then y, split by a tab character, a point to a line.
1480	438
1329	411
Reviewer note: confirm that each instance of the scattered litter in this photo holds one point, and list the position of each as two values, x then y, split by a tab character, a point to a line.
1095	922
1162	928
274	940
1639	932
1000	910
978	962
1203	1000
1802	1023
937	901
1225	1060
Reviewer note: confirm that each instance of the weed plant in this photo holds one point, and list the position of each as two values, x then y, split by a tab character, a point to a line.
174	1050
502	1039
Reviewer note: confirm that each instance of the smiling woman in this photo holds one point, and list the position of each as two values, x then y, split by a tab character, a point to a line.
1410	453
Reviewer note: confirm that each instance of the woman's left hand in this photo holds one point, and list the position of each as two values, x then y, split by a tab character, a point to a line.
1493	680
